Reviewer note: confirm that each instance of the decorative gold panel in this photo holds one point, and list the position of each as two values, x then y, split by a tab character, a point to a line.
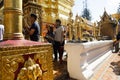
26	62
9	66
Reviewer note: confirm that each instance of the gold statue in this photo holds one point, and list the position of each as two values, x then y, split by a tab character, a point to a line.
30	71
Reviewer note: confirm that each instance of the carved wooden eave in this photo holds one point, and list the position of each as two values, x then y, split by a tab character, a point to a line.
32	4
105	15
105	19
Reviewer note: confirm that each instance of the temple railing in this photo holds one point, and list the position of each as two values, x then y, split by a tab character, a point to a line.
83	58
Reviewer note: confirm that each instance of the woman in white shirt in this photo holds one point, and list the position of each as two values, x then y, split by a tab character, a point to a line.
1	32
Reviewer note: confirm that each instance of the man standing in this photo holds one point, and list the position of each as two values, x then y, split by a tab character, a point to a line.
116	43
34	30
59	40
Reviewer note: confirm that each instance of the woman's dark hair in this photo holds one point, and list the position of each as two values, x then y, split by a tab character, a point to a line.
58	20
51	28
33	15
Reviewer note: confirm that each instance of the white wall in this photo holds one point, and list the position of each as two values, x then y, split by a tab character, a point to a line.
82	55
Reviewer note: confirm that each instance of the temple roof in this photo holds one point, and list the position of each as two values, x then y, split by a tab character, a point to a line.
106	17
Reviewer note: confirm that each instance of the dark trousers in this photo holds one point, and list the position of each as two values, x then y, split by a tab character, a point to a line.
117	47
58	48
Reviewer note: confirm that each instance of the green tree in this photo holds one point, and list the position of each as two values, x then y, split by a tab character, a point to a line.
86	14
118	10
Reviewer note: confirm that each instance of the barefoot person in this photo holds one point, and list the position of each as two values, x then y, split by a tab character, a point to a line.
59	40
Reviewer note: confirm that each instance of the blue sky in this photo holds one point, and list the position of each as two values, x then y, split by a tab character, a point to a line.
96	7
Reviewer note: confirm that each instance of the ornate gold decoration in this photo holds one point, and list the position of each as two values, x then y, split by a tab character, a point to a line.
9	65
80	28
30	71
28	8
70	25
14	62
45	60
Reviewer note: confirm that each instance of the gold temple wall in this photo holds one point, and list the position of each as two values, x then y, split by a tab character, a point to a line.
80	28
64	8
48	13
28	8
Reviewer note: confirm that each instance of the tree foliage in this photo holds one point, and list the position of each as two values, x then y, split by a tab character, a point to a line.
86	14
118	10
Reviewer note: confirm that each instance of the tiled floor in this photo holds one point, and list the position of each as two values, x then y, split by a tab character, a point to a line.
105	71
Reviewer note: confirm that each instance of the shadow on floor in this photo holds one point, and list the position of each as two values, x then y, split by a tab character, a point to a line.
60	71
116	66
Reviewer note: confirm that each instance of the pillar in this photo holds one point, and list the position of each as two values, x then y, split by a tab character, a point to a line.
70	32
75	33
80	31
13	19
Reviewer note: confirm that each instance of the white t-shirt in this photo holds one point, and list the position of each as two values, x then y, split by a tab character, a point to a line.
59	34
1	32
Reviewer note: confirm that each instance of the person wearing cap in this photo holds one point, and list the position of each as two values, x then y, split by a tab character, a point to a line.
34	30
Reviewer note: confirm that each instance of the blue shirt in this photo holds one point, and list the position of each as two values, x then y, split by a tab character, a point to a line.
36	34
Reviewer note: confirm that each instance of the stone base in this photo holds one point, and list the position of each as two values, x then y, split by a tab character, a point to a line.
25	60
